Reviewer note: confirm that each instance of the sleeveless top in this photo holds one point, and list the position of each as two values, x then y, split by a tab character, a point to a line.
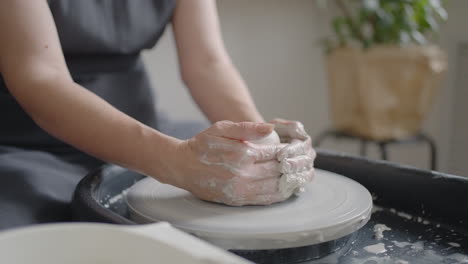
102	41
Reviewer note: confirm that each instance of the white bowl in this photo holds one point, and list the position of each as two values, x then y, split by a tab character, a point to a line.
107	244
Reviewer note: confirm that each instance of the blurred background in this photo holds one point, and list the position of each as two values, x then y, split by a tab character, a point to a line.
275	45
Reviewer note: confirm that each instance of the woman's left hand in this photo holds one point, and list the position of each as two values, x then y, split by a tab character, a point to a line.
297	157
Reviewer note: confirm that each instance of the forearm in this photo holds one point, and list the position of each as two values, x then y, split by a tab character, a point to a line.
221	93
205	66
35	72
82	119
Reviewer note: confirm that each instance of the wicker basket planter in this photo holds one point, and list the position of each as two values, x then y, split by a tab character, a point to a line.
384	92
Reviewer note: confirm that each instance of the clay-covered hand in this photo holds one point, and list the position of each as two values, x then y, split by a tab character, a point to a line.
221	165
296	158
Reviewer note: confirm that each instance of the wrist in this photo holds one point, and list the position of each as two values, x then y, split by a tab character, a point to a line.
176	162
168	161
157	156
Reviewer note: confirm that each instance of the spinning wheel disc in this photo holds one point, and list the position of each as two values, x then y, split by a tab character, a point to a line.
332	207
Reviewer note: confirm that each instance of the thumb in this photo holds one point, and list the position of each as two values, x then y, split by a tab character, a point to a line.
240	130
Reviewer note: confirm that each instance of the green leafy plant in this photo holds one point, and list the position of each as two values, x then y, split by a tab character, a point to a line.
372	22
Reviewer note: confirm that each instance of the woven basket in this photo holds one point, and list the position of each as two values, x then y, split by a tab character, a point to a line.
385	92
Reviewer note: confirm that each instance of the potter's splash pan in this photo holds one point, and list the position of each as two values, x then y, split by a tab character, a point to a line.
419	216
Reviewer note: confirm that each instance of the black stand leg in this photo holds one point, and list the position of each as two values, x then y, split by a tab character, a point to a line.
363	148
433	151
382	145
383	151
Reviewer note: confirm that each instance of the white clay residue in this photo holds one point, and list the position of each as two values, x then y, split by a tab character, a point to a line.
116	198
458	257
372	260
405	215
400	261
212	183
379	229
428	255
376	249
418	245
401	244
436	258
417	249
292	184
401	214
376	208
453	244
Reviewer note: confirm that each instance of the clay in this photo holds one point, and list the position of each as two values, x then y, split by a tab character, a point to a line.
271	138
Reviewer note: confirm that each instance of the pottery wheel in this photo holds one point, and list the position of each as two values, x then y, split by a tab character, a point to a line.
332	207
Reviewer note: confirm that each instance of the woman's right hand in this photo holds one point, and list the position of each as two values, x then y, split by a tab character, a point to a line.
221	165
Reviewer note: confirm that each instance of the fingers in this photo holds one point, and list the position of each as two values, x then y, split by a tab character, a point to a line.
269	190
262	187
234	154
296	182
240	130
290	129
265	191
247	173
296	148
309	175
297	164
262	170
267	199
238	192
224	152
259	153
227	143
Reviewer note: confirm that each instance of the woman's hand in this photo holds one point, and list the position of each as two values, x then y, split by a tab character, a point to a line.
296	158
220	165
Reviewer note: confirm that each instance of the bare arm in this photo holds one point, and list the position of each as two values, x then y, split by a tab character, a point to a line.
206	68
34	69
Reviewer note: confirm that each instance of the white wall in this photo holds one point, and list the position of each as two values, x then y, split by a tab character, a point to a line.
454	35
274	43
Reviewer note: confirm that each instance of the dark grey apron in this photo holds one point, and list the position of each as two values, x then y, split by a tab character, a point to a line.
102	40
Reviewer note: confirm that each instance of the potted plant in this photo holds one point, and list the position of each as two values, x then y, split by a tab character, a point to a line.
383	70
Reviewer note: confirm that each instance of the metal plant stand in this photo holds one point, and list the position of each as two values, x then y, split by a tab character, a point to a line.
382	144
